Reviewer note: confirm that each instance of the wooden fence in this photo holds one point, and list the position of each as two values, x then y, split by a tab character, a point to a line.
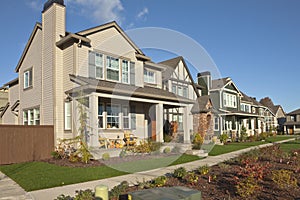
25	143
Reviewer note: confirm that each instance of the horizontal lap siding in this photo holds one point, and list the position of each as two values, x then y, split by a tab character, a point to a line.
25	143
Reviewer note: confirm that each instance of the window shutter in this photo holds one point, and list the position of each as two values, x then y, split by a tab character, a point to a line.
92	71
132	73
30	77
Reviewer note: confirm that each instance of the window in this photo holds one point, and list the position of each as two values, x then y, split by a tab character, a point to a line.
216	123
174	89
293	118
229	100
125	111
125	71
185	92
179	90
149	76
99	65
28	78
112	116
31	117
112	68
100	115
68	121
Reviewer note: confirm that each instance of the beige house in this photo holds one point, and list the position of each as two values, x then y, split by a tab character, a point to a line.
3	102
124	89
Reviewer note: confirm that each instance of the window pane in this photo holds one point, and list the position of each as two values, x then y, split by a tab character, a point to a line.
125	71
67	115
99	72
98	60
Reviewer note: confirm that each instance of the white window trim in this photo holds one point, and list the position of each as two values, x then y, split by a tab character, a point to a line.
113	116
68	116
147	75
28	78
98	66
128	72
110	68
31	120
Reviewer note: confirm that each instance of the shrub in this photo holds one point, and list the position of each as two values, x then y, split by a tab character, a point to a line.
160	181
80	195
105	156
203	170
252	138
198	141
119	189
167	138
167	150
243	135
191	177
180	172
283	178
223	138
247	186
263	136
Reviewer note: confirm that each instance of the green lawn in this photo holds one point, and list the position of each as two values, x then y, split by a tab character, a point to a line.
39	175
288	146
230	147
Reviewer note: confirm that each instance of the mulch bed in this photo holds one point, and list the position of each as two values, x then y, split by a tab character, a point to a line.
227	175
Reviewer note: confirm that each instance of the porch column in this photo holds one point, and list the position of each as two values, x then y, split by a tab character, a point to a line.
186	133
159	111
93	119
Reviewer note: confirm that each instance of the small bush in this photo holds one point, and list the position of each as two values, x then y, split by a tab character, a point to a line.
198	141
167	138
252	138
167	150
243	135
283	178
160	181
191	177
263	136
105	156
119	189
180	172
203	170
247	186
223	138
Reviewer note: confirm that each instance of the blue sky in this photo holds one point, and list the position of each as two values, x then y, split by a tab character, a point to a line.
255	42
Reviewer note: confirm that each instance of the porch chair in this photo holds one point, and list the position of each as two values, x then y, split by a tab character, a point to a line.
103	142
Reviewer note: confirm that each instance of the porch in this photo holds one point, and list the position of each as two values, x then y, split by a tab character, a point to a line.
112	117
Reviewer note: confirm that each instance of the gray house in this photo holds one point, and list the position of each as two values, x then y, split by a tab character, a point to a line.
292	124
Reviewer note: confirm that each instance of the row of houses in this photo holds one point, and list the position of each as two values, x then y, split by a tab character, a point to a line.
123	89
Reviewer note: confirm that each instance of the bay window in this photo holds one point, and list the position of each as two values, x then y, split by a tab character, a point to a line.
229	100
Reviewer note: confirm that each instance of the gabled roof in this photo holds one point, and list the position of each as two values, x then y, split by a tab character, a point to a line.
92	84
171	65
114	24
201	105
295	112
38	26
267	101
220	83
12	83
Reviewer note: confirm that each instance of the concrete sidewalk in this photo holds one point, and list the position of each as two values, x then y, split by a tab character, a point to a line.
52	193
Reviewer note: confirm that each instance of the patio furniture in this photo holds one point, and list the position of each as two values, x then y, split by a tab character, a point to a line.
103	142
129	139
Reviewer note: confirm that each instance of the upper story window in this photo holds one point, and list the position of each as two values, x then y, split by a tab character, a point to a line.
99	65
125	71
181	90
293	118
229	100
28	78
149	76
112	68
